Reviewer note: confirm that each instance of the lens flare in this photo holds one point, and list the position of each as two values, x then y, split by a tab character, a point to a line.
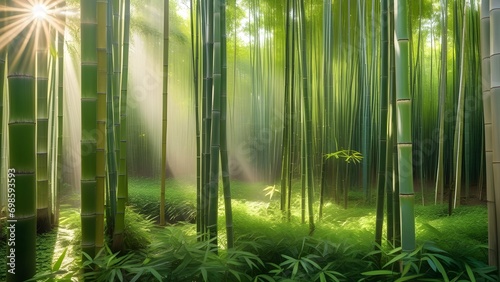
40	11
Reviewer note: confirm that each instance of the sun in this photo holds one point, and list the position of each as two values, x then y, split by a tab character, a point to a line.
40	11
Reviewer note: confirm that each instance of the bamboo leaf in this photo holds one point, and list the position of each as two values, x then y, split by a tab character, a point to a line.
57	264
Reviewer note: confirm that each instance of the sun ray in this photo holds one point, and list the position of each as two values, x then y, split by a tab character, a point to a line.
22	18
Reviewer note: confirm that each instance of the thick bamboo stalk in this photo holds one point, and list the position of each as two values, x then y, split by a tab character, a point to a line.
88	138
495	105
2	93
404	138
22	160
486	87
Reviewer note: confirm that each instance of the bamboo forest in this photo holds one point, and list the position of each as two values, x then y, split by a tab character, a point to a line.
250	140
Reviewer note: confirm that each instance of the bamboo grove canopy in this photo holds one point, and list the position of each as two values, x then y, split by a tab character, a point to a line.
387	97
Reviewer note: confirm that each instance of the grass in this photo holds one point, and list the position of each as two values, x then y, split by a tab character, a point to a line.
257	216
268	248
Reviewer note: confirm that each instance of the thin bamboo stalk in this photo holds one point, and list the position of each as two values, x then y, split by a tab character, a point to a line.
458	140
166	4
42	89
307	119
223	131
101	118
121	196
439	190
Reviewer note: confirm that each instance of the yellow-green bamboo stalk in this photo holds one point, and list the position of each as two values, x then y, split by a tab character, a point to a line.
458	140
111	151
2	80
21	183
307	119
404	138
439	190
88	137
486	82
495	105
101	115
60	111
215	127
223	131
164	110
384	91
42	89
121	196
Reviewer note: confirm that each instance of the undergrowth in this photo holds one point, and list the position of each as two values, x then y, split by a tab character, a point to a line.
268	248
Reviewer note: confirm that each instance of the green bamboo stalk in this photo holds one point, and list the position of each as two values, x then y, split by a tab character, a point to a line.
382	155
215	128
22	164
327	93
207	35
42	89
285	161
443	82
363	81
458	140
307	118
404	138
194	24
89	121
223	132
164	110
486	88
2	82
111	151
495	103
102	116
121	196
60	112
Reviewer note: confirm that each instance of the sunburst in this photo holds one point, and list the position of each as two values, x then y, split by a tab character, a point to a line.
25	21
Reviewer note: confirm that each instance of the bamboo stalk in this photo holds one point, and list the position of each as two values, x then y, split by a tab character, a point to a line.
22	159
404	138
164	110
89	121
42	89
495	105
101	118
223	131
121	196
